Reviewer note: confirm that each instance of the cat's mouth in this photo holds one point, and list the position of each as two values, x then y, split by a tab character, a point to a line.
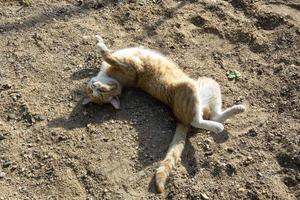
96	92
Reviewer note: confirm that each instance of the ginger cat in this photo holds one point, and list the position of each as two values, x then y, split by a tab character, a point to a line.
195	103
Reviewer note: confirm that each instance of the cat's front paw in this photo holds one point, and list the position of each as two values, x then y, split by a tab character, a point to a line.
218	128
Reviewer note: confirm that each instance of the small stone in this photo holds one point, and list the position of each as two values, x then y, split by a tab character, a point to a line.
14	166
252	133
230	150
11	116
5	87
248	161
7	164
14	98
206	147
89	198
208	153
230	169
204	196
2	137
241	190
259	174
141	2
2	175
40	117
207	141
141	173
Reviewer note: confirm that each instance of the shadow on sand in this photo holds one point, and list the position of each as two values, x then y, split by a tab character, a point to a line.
153	122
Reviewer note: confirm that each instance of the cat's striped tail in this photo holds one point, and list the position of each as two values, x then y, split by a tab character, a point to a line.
172	157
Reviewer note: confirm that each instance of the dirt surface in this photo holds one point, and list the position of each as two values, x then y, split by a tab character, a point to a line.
53	148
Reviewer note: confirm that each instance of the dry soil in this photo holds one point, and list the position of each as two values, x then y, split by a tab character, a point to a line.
53	148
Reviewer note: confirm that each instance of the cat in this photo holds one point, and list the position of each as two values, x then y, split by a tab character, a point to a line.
195	103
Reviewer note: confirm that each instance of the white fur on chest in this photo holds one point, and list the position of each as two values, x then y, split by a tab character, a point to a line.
102	75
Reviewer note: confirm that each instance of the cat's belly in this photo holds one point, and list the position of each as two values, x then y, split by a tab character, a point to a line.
162	93
185	100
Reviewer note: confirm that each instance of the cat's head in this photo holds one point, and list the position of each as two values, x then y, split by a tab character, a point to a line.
103	91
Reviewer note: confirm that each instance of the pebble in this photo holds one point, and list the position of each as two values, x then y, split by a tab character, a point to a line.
252	133
230	169
230	150
204	196
2	175
7	164
207	141
206	147
141	173
13	167
259	174
2	137
141	2
208	153
40	117
248	161
89	198
6	86
11	116
241	190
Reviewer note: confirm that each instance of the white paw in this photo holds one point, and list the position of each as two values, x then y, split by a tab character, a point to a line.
218	128
239	109
99	39
102	46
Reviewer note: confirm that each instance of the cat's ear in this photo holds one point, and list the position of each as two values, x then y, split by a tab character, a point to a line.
115	102
86	100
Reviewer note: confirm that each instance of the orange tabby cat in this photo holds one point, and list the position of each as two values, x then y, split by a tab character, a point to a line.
195	103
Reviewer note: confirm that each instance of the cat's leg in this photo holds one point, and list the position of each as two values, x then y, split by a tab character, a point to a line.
215	105
229	112
172	157
209	125
199	122
128	63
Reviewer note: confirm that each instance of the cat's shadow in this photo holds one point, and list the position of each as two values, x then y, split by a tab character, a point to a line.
153	122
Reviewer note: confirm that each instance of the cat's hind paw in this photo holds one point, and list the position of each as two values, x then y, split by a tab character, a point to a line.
218	128
99	39
238	109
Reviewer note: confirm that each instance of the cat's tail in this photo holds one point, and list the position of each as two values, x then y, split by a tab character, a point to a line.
172	157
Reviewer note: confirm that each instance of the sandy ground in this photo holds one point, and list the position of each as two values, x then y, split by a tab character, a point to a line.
53	148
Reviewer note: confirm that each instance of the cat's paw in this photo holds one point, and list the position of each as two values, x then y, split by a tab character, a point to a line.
238	109
218	128
99	39
102	47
